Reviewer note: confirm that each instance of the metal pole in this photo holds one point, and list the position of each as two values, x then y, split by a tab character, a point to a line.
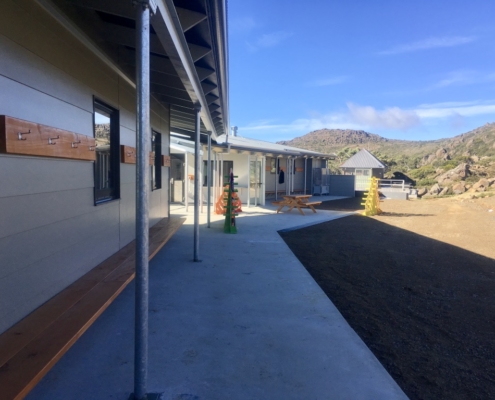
201	174
305	172
256	182
143	144
249	181
208	180
276	178
287	177
186	182
292	167
197	110
221	175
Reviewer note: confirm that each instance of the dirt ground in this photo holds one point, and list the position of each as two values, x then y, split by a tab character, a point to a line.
417	283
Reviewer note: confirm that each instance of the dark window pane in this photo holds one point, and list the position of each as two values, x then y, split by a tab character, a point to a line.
107	162
156	169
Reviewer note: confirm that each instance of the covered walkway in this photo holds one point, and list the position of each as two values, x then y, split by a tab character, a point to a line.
248	322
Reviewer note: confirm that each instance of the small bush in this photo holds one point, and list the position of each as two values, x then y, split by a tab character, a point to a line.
425	182
421	173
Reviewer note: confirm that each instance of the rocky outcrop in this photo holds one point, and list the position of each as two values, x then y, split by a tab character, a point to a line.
480	186
459	187
444	191
434	190
422	192
460	172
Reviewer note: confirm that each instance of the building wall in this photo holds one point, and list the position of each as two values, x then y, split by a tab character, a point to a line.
241	170
50	231
341	185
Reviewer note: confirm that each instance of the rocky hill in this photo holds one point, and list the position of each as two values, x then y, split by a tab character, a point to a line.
479	141
470	156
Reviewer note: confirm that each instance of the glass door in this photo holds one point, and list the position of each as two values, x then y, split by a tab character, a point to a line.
255	182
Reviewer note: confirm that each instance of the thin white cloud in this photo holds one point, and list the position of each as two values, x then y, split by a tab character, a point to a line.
328	82
390	118
430	43
369	118
458	78
242	25
464	111
268	40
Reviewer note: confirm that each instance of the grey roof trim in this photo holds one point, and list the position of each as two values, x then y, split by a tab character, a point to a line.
218	14
253	145
363	159
176	47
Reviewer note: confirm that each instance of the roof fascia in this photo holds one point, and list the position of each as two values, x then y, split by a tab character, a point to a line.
167	26
217	14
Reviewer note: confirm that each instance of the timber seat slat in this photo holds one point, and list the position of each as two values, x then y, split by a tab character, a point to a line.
313	203
29	349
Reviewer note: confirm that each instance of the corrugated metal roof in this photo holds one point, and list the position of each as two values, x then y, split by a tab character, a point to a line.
243	143
363	159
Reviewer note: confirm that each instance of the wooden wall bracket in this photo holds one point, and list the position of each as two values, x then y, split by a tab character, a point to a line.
128	155
31	139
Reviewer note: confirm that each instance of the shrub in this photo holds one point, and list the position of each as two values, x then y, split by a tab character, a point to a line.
422	173
425	182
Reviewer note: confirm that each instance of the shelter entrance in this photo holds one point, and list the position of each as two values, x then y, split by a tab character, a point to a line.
255	182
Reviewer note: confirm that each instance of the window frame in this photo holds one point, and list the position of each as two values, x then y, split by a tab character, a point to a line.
102	196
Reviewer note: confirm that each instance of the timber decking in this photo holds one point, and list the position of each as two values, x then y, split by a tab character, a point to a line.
30	348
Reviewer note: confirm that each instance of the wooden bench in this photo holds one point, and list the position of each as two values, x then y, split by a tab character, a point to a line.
311	205
30	348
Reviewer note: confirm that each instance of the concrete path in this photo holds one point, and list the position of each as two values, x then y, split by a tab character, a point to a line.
248	322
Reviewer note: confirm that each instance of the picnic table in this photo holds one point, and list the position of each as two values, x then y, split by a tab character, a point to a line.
296	201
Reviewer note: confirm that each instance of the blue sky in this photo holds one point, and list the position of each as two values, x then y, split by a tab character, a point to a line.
413	70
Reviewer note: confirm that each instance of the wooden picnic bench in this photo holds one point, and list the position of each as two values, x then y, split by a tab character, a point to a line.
296	201
30	348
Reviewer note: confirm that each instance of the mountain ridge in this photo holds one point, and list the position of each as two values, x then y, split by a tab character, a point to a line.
334	140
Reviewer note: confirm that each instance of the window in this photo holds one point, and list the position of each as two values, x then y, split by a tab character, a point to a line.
273	169
156	169
107	164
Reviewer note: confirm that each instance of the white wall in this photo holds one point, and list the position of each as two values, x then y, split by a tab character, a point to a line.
241	170
50	231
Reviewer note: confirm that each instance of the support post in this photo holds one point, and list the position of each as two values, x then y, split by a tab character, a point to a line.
186	182
276	178
305	172
293	171
197	182
249	181
208	181
221	175
287	176
143	144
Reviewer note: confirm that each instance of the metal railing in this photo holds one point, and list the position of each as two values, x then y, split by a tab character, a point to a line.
394	184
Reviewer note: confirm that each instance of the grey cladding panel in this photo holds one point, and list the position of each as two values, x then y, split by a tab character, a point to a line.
22	175
25	248
342	185
23	292
23	102
23	66
22	213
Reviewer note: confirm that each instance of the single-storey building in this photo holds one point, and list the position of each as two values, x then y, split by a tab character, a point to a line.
68	129
363	165
263	169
